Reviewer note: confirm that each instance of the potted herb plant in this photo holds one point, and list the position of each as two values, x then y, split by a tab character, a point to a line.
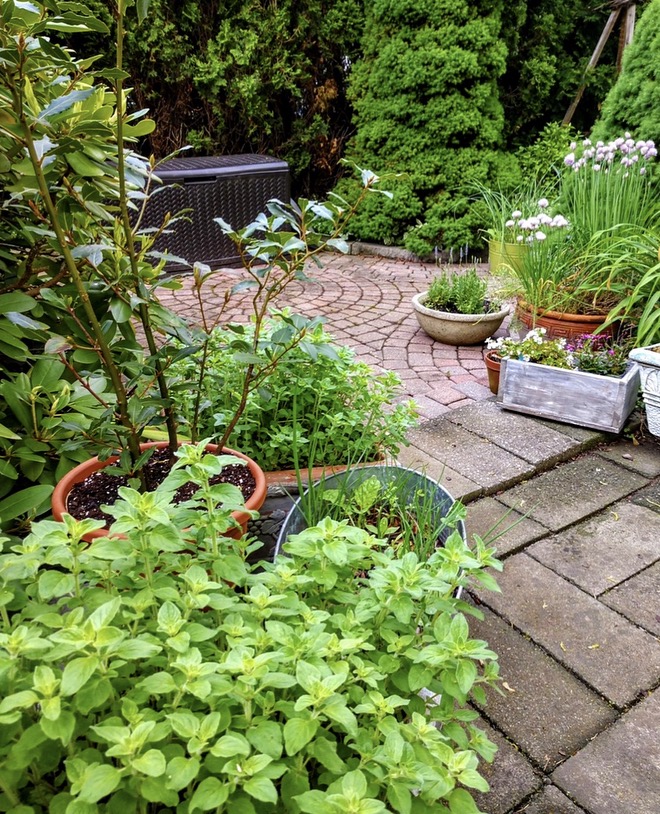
511	216
586	381
320	395
457	310
571	280
407	508
145	680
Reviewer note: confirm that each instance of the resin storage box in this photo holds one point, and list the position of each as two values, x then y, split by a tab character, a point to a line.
235	188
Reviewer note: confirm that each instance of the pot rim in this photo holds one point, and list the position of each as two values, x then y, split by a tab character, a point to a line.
450	317
63	487
564	316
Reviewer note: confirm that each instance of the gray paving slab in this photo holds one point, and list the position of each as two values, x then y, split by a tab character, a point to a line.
474	457
644	458
545	709
586	437
649	497
572	491
511	776
549	801
608	652
606	549
458	486
619	772
488	517
531	439
638	599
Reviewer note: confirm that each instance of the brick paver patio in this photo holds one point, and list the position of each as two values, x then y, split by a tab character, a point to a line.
366	304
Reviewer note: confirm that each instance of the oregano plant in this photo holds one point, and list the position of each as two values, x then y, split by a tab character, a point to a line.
148	672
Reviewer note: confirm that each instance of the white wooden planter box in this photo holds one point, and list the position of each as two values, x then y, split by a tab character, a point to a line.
571	396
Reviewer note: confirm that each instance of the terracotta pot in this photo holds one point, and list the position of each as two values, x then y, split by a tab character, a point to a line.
79	473
559	324
493	364
505	257
456	329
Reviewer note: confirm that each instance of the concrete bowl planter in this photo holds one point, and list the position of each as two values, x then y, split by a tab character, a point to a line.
648	359
456	329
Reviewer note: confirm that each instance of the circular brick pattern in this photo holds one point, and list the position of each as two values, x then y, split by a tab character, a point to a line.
365	302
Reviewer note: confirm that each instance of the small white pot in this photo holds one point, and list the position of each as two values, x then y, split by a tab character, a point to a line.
456	329
648	359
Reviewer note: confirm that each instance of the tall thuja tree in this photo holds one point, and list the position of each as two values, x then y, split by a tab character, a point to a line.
634	101
427	109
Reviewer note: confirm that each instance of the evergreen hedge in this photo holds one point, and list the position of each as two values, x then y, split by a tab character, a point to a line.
426	107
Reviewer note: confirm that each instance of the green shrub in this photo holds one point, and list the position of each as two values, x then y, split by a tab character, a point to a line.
549	44
426	107
633	103
135	677
320	399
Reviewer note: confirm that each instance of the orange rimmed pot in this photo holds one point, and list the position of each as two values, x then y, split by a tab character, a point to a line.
82	471
493	364
559	324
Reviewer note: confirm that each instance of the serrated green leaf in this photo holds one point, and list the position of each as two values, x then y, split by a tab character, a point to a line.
181	772
151	763
159	684
60	729
298	732
261	788
231	745
99	782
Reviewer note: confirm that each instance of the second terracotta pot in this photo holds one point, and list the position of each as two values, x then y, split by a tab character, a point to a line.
493	364
79	473
560	325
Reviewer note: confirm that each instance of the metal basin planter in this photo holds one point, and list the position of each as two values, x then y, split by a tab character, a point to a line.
407	482
456	329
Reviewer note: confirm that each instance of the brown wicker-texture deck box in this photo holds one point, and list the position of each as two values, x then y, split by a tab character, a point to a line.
235	188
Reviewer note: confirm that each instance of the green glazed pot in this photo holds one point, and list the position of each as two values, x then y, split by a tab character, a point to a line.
504	257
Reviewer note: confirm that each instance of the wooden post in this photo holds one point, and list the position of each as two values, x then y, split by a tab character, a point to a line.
598	50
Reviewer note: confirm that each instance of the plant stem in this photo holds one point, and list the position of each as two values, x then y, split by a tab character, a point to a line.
145	317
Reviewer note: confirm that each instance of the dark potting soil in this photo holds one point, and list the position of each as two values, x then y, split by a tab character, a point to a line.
101	488
450	308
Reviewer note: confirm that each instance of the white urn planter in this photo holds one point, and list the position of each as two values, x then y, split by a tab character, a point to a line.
648	359
456	329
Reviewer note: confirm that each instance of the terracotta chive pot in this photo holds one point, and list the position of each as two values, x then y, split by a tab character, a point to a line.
79	473
493	364
456	329
560	325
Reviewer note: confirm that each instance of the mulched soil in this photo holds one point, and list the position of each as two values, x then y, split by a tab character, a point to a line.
101	488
